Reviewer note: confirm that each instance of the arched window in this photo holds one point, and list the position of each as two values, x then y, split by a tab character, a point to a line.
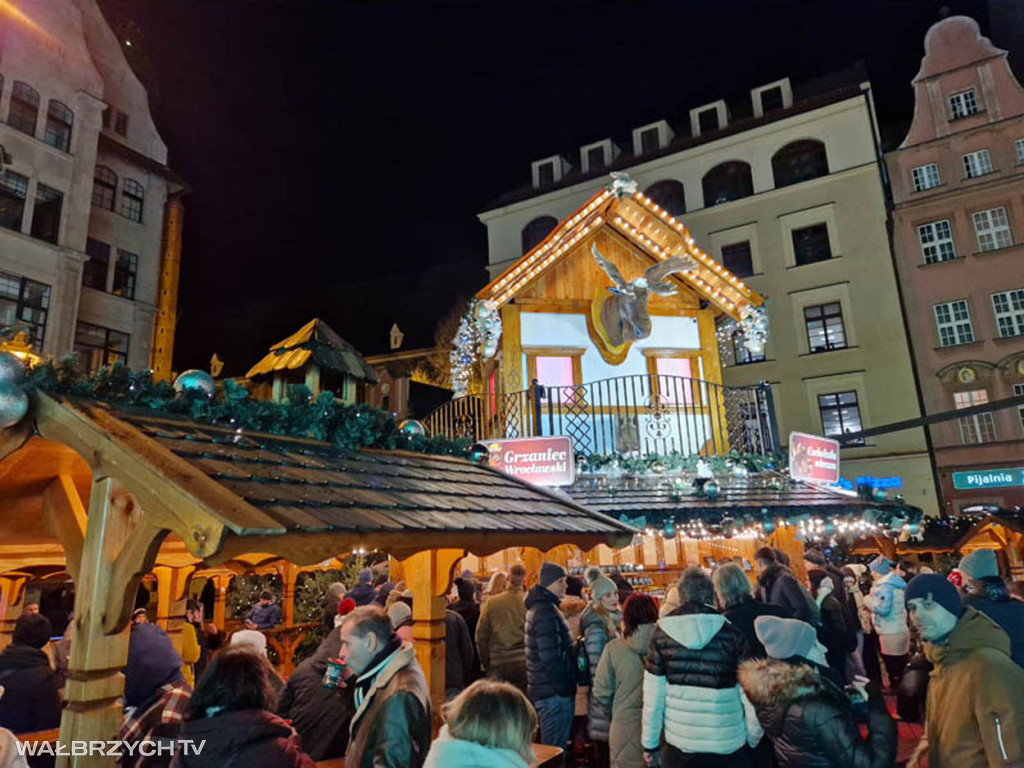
669	195
799	161
24	108
59	120
727	181
132	196
104	188
536	231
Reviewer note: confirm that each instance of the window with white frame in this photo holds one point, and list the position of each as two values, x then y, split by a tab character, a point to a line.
993	229
926	177
1009	309
936	240
954	322
963	104
977	163
1019	144
1018	391
979	427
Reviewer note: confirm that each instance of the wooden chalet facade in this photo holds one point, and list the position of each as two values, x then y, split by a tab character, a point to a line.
553	335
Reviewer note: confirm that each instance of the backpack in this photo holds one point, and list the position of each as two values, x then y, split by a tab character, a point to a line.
582	661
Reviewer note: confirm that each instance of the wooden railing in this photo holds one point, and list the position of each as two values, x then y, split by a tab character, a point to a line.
648	413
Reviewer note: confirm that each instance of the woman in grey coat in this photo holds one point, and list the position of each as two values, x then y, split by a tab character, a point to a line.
619	682
599	624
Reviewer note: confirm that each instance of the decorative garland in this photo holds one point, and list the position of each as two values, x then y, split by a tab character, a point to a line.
321	418
477	337
674	463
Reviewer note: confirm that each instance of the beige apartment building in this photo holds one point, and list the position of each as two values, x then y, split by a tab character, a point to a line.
90	214
785	189
958	188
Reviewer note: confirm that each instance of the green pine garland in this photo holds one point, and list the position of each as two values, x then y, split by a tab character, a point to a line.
676	462
321	418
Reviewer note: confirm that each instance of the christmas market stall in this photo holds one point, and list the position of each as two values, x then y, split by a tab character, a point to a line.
1002	531
120	472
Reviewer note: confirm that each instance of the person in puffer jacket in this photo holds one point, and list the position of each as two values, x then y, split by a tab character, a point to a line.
550	667
690	689
889	617
599	624
806	715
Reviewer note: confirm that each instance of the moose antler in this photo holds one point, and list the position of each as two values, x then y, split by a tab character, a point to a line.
621	286
656	275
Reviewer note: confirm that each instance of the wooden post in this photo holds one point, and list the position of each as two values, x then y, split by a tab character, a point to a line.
171	595
429	575
712	373
289	577
12	592
119	547
220	598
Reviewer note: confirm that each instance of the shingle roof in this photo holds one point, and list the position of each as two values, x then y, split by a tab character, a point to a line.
656	497
318	341
396	501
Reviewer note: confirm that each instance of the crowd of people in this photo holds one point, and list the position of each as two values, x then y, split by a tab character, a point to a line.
789	670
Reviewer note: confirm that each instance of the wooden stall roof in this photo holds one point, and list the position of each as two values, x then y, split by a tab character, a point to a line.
302	499
318	341
650	230
986	533
636	499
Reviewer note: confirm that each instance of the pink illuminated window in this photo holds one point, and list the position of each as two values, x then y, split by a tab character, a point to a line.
555	371
675	376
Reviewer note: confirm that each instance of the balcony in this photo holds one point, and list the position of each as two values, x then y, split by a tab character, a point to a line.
642	414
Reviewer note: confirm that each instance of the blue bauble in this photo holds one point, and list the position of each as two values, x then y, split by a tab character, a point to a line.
479	454
879	494
195	380
11	368
412	428
712	489
13	404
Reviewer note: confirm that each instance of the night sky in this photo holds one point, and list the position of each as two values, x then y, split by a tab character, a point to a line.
339	152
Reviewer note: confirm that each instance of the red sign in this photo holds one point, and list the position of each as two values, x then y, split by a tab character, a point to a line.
537	460
813	459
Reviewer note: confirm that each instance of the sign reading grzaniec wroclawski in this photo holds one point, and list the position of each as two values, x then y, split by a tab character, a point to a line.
538	460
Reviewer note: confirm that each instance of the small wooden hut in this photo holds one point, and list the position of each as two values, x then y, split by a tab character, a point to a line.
1003	532
318	357
166	492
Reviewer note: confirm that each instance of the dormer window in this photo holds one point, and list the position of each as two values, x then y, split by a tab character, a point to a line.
963	104
597	155
708	118
651	138
547	171
771	97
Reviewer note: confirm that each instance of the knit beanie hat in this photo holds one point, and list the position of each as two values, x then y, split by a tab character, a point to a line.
32	629
814	556
602	586
365	575
980	564
550	573
399	613
880	565
251	640
592	574
784	638
933	586
346	606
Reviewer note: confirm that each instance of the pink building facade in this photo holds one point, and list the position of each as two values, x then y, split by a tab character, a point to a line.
958	188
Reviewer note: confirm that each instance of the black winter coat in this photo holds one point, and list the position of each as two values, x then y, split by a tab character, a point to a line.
742	616
710	666
320	715
243	739
810	720
550	667
470	613
834	635
30	701
995	602
458	653
779	586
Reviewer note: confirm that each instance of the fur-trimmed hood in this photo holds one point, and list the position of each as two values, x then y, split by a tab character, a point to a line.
772	686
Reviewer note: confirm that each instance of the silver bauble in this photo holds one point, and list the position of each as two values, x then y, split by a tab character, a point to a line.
197	380
412	428
479	454
13	404
11	368
712	489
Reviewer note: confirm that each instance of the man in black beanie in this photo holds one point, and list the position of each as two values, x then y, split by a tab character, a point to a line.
30	701
550	666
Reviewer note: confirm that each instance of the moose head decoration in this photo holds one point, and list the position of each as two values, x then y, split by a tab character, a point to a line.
623	317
